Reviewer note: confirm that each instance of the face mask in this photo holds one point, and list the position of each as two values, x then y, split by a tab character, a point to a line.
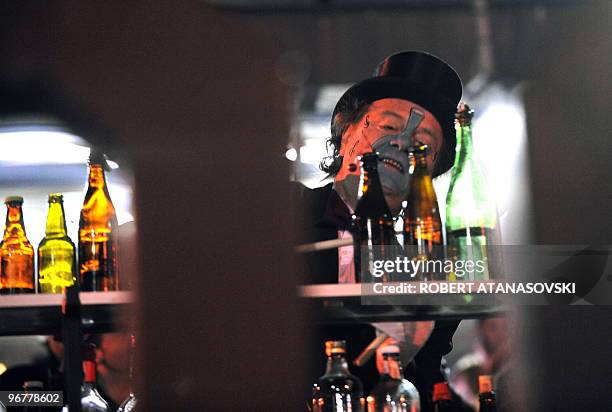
393	157
392	167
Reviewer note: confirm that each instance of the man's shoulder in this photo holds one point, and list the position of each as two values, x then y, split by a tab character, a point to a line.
311	202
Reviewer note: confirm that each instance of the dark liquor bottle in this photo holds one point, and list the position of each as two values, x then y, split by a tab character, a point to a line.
98	233
393	393
486	396
337	390
442	399
32	387
56	252
91	400
471	214
373	231
422	224
16	252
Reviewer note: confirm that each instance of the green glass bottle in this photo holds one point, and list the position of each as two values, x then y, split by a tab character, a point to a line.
56	252
471	214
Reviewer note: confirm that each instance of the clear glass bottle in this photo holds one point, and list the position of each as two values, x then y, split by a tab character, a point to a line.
129	404
486	395
373	231
16	252
393	393
337	390
442	399
91	400
471	213
56	252
422	224
98	233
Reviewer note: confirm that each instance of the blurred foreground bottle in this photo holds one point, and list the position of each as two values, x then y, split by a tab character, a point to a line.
56	252
442	399
91	400
130	403
393	393
471	214
16	252
486	396
422	224
337	390
98	233
373	230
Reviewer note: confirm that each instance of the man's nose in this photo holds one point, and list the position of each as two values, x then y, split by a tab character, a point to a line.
402	142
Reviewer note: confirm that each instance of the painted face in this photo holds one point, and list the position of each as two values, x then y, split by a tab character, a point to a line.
381	129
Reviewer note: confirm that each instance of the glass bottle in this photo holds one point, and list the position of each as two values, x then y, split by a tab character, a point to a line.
422	224
471	214
337	390
56	252
373	231
486	396
98	233
91	400
32	387
16	252
442	399
129	404
393	393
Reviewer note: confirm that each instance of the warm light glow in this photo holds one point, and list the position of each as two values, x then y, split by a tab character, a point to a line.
291	154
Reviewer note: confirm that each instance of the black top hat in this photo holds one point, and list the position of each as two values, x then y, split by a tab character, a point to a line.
421	78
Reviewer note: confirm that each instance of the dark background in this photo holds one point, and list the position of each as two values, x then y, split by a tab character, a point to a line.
191	97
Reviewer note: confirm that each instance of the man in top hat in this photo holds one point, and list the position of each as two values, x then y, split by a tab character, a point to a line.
369	117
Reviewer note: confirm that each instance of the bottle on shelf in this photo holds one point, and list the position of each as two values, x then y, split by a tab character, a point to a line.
56	252
337	390
442	398
486	395
130	403
393	393
98	233
91	400
471	213
373	232
422	224
16	252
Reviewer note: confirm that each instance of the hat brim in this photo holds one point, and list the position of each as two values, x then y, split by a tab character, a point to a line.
441	107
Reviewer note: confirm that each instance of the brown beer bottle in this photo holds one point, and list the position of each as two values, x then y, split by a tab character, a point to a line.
422	224
16	252
98	233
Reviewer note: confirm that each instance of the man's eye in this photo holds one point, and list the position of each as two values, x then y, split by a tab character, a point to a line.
389	127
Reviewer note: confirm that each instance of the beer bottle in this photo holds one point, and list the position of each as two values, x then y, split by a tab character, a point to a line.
486	396
393	392
422	224
97	233
471	214
56	252
337	390
373	230
16	252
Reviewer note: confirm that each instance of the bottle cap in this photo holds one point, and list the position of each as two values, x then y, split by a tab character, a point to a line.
420	149
390	350
464	114
335	346
441	392
13	199
56	198
485	384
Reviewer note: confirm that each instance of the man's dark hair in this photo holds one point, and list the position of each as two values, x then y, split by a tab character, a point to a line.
350	114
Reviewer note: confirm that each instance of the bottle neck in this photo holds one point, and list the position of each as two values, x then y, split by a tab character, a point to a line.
14	221
337	365
56	222
96	176
372	200
464	144
89	371
392	368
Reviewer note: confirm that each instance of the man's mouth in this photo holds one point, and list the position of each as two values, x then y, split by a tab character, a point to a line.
393	163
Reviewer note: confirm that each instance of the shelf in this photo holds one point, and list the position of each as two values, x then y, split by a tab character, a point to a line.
337	303
39	314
